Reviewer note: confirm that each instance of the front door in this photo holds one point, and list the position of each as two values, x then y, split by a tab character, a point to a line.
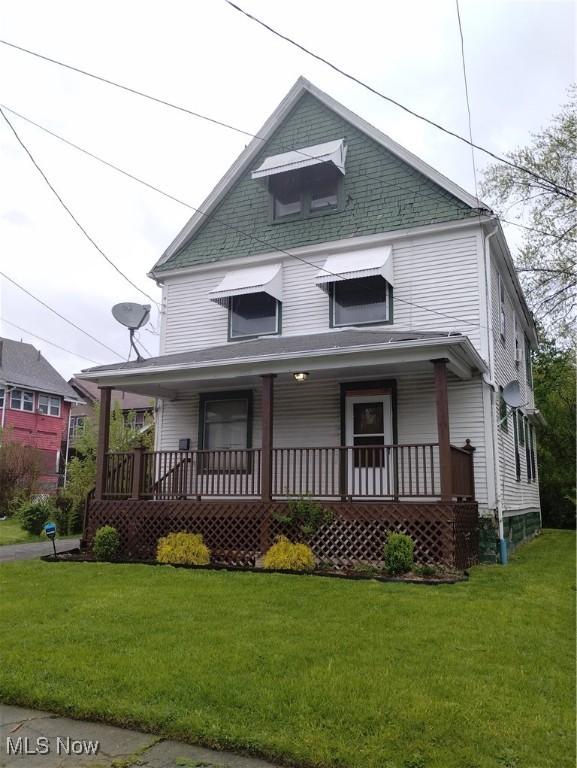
369	425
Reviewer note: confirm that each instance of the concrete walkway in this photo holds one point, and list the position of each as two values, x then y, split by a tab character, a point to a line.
68	743
10	552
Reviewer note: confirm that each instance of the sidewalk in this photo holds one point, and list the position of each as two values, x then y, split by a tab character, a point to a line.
116	747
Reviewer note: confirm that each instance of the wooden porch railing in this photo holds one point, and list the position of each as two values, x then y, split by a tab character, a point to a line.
346	472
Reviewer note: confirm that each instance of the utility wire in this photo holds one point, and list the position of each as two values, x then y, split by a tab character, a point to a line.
271	246
467	96
55	312
182	202
47	341
69	212
565	191
560	189
241	232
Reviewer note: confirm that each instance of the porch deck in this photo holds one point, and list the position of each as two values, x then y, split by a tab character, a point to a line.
370	491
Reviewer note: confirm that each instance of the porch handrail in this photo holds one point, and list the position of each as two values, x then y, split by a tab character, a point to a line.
385	471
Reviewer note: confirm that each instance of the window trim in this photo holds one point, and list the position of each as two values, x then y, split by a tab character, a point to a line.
49	398
22	392
3	397
276	332
75	422
332	300
306	212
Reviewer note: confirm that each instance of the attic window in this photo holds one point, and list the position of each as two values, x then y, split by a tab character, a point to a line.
305	192
304	181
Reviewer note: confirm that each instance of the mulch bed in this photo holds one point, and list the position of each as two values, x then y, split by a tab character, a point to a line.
449	577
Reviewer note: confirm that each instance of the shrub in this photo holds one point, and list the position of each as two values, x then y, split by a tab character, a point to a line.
33	514
20	468
106	543
62	511
304	517
286	556
183	549
399	553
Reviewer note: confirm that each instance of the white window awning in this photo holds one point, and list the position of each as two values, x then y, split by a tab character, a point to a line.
353	264
265	278
330	152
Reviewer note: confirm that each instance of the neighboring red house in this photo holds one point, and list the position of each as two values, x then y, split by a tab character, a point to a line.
35	404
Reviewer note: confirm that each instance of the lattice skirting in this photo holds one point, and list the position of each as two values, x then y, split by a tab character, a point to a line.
237	532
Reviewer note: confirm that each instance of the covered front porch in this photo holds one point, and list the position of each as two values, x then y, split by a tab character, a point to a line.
368	436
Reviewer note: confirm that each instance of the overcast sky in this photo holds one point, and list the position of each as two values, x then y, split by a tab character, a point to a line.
207	57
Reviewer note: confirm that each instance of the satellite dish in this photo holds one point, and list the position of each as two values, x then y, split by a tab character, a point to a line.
512	394
133	316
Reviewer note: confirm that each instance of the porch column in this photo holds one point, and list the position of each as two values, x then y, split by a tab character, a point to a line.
266	440
440	369
102	449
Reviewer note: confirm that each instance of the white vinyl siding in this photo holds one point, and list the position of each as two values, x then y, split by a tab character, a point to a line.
517	495
309	414
436	288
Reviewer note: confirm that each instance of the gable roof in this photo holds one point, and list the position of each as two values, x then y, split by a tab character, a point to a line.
247	157
22	365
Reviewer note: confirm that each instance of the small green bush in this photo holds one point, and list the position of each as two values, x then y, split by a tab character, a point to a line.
106	543
183	549
398	552
286	556
33	514
304	517
426	570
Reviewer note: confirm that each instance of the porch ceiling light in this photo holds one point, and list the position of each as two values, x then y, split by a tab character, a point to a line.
301	376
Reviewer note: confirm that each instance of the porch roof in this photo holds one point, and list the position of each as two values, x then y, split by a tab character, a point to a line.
348	347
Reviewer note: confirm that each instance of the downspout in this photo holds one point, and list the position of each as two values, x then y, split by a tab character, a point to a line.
492	389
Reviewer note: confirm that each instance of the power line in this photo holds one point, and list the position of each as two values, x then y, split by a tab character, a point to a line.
265	243
562	190
235	229
55	312
69	212
184	203
565	191
467	95
47	341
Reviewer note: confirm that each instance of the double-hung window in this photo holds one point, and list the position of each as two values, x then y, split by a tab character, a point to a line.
528	363
360	301
503	418
1	397
22	400
253	314
225	424
49	405
76	426
253	296
502	310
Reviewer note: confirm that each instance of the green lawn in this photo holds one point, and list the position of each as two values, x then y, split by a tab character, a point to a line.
12	533
306	670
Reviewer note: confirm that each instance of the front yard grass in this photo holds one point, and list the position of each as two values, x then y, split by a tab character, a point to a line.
12	533
306	670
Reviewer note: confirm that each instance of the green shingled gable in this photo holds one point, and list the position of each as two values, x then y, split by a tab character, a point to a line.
381	193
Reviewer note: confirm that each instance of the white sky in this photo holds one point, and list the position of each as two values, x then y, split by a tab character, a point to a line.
207	57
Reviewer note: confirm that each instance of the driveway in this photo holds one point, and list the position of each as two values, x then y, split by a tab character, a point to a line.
11	552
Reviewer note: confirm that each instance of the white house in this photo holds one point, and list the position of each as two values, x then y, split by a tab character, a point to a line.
339	320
